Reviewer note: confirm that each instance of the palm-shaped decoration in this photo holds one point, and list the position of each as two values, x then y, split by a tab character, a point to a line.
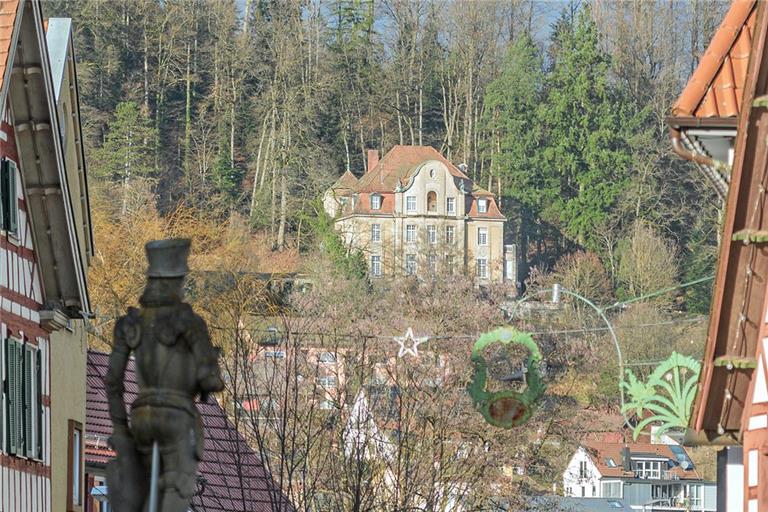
667	394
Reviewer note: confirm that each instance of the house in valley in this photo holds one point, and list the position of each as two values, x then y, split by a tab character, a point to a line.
415	213
638	476
45	249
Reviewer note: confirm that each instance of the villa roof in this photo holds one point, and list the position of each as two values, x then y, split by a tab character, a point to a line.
600	453
715	89
235	475
398	164
347	181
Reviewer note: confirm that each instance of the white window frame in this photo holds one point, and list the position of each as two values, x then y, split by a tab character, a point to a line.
411	265
410	204
450	234
327	357
9	206
327	381
482	236
611	484
449	262
450	205
375	202
432	234
274	354
482	206
432	263
375	232
376	265
482	268
410	233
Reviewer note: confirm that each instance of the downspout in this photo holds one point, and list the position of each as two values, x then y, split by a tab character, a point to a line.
712	168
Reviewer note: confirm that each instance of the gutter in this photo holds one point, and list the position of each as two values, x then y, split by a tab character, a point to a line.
712	168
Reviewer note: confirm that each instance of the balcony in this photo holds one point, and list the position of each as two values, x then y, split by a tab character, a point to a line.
655	475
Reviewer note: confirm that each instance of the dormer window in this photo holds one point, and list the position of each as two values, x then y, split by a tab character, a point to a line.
375	202
482	206
431	201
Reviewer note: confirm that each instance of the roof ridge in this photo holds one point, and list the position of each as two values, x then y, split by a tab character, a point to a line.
707	72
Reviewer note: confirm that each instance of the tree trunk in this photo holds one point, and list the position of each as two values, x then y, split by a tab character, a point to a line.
283	213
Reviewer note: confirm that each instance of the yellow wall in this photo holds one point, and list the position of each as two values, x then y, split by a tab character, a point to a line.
69	351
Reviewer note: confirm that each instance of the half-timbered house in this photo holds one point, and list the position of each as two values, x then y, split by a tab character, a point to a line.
45	245
730	89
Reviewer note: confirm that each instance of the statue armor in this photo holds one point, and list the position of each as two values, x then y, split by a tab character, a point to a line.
175	362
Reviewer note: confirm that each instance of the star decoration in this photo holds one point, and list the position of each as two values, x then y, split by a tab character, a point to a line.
413	346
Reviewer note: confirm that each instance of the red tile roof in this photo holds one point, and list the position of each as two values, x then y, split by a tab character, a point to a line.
347	181
716	87
8	11
599	452
227	457
396	166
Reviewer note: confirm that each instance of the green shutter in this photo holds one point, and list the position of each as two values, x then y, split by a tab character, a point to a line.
13	396
7	394
29	404
19	409
39	409
13	222
4	193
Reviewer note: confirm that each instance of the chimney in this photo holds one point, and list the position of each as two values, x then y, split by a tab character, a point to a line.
373	159
625	460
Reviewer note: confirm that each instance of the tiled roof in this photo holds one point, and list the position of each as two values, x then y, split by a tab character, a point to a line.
236	480
716	87
347	181
599	452
397	165
8	11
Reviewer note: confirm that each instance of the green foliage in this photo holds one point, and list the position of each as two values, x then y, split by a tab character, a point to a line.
127	151
348	262
666	397
585	121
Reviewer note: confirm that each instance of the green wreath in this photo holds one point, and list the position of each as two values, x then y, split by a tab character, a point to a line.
507	408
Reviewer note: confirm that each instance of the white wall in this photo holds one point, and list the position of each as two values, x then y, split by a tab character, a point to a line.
571	477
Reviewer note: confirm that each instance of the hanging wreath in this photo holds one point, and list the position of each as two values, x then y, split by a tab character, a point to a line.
507	408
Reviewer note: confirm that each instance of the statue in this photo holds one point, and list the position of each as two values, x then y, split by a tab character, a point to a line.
175	362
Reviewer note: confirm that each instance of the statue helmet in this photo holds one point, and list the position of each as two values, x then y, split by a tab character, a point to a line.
168	258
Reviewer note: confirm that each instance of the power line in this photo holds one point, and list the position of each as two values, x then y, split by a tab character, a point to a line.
659	292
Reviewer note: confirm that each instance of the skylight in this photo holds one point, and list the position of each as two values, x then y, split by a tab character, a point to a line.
610	462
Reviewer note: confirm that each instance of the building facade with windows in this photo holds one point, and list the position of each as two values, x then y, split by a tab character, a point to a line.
415	213
45	247
640	476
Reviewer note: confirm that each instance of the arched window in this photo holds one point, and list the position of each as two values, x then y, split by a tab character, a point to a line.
431	201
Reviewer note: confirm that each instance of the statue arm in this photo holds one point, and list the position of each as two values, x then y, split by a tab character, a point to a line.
207	358
118	360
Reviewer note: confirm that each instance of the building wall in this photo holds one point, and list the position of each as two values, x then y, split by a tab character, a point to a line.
432	176
581	487
26	483
69	350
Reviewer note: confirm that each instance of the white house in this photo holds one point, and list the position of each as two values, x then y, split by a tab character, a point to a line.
642	476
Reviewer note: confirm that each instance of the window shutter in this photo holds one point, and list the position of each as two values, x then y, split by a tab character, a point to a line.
4	193
29	403
39	408
13	210
13	395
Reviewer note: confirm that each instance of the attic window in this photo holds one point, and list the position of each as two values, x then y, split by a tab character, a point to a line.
375	202
610	462
482	206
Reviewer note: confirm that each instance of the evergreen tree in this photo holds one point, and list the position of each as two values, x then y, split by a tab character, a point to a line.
586	130
127	151
513	135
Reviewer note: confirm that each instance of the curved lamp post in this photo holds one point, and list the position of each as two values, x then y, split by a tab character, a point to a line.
557	290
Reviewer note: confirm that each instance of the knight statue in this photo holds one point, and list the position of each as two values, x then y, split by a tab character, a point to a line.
175	363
